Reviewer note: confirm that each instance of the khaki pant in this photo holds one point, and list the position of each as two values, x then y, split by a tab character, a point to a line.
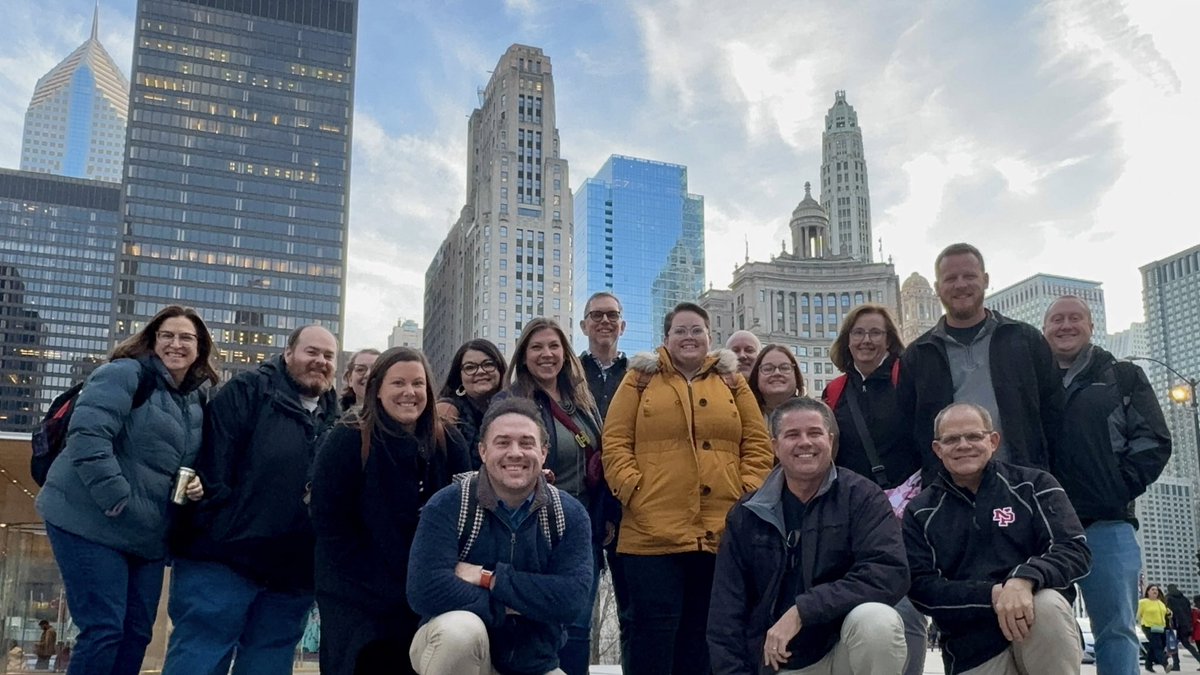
454	643
871	643
1052	645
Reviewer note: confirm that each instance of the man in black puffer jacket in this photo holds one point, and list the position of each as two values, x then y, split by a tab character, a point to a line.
994	551
243	570
1114	443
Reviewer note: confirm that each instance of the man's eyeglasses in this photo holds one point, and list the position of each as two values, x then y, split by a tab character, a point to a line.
168	336
955	439
598	316
771	368
874	333
694	331
487	367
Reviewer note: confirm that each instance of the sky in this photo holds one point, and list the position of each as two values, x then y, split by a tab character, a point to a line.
1058	137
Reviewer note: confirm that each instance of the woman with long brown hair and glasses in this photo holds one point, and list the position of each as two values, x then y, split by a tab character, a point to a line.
373	473
107	501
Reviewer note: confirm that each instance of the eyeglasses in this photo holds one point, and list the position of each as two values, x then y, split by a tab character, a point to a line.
360	368
168	336
972	437
598	316
874	333
771	368
694	331
487	367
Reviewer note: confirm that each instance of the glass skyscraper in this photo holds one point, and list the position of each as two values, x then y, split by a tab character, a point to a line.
58	250
237	168
640	235
75	123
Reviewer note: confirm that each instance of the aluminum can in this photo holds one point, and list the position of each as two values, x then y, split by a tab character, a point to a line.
185	476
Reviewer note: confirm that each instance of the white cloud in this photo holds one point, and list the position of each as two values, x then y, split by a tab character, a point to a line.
405	193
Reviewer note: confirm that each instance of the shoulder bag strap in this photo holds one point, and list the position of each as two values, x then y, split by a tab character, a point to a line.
878	471
566	420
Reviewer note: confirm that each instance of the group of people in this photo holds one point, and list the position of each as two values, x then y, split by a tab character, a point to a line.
973	477
1169	623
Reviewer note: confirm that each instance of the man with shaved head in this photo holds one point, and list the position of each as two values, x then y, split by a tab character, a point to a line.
1113	444
746	346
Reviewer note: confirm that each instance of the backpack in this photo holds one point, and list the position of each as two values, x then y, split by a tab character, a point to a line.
551	519
50	437
833	391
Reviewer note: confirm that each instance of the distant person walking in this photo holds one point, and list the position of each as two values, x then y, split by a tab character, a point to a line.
1152	616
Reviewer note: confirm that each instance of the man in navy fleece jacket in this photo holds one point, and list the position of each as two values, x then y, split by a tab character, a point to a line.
527	571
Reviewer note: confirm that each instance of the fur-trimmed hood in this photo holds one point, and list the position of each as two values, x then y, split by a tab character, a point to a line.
723	361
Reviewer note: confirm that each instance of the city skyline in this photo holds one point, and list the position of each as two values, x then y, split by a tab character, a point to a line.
1054	180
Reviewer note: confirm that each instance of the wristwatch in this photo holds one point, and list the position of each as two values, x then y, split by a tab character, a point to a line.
485	579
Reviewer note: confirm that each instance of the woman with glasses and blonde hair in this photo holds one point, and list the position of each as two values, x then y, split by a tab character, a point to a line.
683	441
107	501
476	374
872	441
774	378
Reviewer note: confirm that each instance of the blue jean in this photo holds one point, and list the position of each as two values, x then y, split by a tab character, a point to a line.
1111	592
576	654
215	610
113	598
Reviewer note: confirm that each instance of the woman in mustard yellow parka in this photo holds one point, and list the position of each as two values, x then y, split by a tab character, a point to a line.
683	441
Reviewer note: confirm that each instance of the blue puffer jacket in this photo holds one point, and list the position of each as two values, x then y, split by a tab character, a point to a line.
116	453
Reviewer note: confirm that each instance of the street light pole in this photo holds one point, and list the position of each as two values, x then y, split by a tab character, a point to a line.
1194	405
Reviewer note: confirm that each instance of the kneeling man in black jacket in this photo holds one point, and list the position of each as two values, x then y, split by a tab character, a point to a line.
810	565
994	551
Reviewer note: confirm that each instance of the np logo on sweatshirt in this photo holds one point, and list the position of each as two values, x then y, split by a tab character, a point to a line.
1004	516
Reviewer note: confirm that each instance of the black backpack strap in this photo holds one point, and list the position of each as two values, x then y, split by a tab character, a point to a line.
878	470
145	386
1126	374
551	518
470	516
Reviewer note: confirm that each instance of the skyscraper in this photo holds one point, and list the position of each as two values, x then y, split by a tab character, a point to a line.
1129	342
1028	299
920	307
58	250
1171	299
508	257
640	235
238	159
75	124
845	194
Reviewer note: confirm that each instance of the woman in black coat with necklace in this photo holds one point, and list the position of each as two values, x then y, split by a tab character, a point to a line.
374	472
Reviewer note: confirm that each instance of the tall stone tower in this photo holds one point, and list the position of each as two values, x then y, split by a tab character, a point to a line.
844	188
509	253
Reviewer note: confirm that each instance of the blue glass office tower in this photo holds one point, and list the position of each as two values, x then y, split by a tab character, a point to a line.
640	235
237	168
58	250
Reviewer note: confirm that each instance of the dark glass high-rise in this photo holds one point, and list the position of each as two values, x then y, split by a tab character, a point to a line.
237	168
